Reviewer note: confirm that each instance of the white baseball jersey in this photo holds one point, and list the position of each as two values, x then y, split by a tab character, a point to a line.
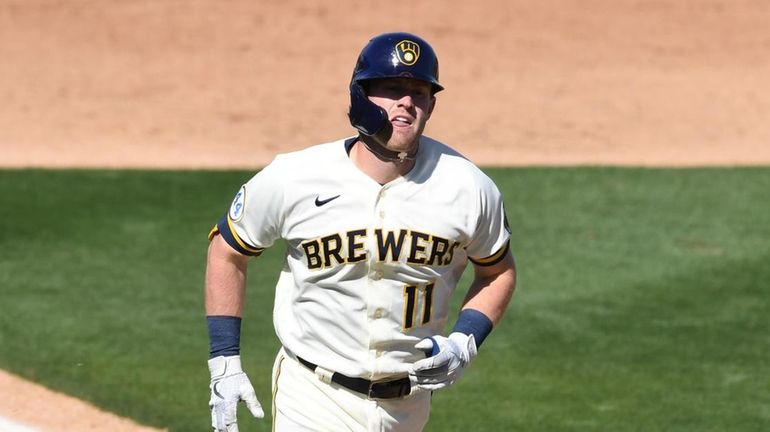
369	268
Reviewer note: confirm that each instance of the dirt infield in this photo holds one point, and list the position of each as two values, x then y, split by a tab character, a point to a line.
212	84
27	407
201	83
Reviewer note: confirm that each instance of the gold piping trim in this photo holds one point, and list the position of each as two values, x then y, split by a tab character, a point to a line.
240	242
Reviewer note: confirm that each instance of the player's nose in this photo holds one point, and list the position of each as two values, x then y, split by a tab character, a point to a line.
406	100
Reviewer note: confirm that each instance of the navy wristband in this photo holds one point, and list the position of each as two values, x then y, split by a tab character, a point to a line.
224	335
473	322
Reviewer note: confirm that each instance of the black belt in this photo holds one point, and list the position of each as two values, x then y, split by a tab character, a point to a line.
373	389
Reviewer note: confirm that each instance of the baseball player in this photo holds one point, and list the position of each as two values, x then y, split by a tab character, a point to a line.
377	229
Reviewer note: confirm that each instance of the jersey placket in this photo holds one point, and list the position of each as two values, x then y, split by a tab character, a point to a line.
378	301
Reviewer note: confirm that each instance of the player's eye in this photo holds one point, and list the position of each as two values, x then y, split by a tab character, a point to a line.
420	93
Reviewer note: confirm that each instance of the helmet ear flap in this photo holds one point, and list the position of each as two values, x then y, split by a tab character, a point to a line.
365	115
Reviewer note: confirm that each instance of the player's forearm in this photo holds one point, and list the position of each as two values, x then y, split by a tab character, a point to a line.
492	289
225	279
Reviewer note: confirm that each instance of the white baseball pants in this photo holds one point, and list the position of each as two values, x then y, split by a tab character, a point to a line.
302	402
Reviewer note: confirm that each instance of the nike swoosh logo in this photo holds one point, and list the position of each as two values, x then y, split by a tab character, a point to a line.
319	202
216	390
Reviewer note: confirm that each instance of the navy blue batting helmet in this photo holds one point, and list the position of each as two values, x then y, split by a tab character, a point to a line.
389	55
392	55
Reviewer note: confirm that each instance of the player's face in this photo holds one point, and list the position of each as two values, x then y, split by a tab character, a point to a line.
409	104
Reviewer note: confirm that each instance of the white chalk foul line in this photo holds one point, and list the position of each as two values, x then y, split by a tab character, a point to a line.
7	425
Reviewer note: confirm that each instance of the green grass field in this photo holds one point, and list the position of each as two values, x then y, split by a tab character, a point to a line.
643	301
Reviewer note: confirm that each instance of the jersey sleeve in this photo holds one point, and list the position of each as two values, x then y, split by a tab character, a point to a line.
491	239
253	222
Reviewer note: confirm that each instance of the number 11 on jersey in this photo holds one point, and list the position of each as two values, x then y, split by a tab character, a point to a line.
413	293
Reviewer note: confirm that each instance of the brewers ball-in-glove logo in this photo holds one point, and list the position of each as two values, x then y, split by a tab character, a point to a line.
408	52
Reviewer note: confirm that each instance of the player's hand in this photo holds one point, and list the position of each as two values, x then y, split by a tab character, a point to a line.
229	384
449	356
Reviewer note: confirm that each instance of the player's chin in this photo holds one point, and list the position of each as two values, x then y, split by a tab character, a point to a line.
404	139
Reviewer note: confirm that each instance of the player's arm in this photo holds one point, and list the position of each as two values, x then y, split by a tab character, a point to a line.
225	279
225	288
492	289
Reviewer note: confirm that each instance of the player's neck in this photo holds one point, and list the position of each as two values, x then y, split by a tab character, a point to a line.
379	170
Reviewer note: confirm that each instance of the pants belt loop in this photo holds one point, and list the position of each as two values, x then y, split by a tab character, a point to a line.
324	375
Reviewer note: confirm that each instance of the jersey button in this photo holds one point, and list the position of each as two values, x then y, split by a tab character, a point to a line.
376	275
382	214
379	313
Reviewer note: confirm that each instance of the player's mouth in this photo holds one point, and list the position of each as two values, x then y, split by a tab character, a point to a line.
401	121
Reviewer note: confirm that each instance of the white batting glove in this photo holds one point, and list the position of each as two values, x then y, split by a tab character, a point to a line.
450	356
229	384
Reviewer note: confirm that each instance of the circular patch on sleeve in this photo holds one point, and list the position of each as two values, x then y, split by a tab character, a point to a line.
239	202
